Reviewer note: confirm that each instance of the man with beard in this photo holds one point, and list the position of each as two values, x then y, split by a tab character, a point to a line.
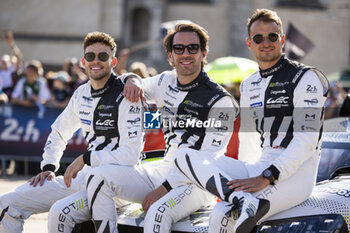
104	116
184	95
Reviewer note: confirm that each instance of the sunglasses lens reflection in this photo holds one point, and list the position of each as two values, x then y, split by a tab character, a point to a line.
258	38
103	56
180	48
273	37
193	48
89	56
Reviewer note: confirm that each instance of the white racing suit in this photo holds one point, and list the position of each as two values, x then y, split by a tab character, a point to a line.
201	100
286	104
111	126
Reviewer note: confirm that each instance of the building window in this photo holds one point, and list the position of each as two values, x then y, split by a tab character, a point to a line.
140	25
315	4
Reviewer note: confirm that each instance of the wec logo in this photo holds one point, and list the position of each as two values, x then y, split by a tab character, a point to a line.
279	100
105	123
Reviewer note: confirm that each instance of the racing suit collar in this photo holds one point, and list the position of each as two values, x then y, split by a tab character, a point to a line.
274	69
195	83
100	92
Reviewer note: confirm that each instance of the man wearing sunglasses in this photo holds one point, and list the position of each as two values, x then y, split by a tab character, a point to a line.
285	102
104	116
185	94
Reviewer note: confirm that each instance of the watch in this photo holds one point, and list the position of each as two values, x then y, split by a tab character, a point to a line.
267	173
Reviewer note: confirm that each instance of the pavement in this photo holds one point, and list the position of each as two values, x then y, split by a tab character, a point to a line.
36	223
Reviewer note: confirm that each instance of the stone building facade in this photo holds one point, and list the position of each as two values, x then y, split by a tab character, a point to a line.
51	30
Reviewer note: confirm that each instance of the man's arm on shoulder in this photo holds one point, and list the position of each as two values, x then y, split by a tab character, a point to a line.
132	87
148	88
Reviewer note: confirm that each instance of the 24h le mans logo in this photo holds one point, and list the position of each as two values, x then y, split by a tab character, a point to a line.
151	120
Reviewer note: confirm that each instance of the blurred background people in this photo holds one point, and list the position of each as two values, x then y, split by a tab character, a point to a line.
136	67
339	88
3	97
140	69
9	65
75	71
31	89
336	96
233	89
60	91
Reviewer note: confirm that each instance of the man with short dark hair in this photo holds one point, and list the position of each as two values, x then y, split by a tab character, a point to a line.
104	115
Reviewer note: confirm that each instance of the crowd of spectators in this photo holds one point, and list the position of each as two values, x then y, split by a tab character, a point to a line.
25	83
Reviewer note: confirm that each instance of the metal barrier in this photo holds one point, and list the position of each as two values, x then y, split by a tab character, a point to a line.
23	133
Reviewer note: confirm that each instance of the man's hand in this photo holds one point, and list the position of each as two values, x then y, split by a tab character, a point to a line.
9	38
72	170
49	175
133	90
253	184
153	196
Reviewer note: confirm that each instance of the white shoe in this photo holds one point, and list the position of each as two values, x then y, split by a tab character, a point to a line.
249	213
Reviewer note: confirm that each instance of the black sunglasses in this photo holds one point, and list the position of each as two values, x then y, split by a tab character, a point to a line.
191	48
258	38
102	56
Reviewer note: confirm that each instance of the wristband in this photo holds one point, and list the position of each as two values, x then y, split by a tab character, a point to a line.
275	172
49	167
167	186
86	158
129	76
